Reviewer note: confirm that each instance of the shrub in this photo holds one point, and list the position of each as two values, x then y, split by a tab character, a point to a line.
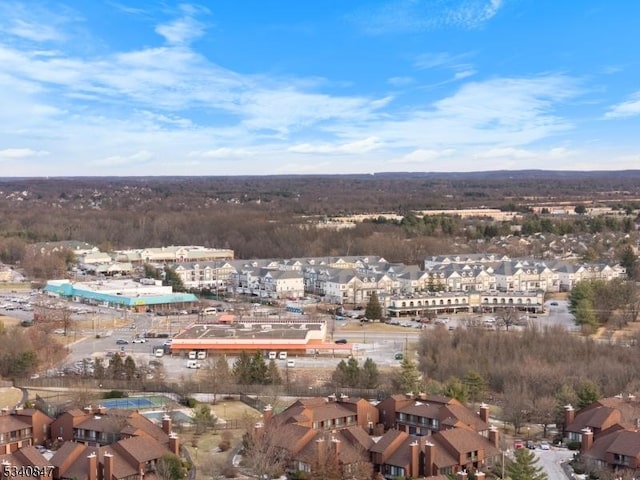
115	394
189	402
229	471
574	445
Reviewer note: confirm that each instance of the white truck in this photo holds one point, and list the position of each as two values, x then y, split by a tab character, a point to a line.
193	364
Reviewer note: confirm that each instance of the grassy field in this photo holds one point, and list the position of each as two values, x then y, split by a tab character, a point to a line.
204	449
9	321
9	397
370	327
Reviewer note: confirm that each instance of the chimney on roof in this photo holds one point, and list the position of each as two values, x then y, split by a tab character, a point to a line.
258	429
631	398
18	410
587	440
267	413
409	395
166	424
87	409
335	446
344	397
569	415
108	466
174	444
92	466
422	396
320	453
332	398
484	412
494	436
102	410
480	475
415	459
461	475
428	458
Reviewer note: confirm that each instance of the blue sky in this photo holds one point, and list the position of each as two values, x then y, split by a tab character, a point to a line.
119	87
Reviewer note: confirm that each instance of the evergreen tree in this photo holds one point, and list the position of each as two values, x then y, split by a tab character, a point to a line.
273	376
455	388
565	396
151	272
476	386
242	368
369	374
203	419
98	369
408	379
129	367
629	260
525	467
116	367
258	369
587	394
347	374
373	310
173	279
169	467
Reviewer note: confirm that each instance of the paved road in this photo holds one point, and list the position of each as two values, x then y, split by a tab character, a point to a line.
551	461
381	346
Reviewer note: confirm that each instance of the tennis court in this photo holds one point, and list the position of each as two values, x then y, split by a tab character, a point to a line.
176	416
135	402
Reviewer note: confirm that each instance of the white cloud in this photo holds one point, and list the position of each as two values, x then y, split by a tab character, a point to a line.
181	31
464	74
401	81
430	60
137	158
34	31
24	21
458	64
506	152
629	108
497	112
222	153
17	153
357	147
397	16
421	156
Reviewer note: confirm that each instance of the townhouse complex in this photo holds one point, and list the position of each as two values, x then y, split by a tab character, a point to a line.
607	432
447	283
95	443
403	436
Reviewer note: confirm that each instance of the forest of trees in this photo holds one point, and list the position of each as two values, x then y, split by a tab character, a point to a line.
277	217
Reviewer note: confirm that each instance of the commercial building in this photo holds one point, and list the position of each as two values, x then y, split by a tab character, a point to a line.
137	296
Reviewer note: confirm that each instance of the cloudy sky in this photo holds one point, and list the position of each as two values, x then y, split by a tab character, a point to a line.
228	87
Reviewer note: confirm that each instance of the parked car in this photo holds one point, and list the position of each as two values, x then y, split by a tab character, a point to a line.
139	340
545	446
341	341
121	341
554	304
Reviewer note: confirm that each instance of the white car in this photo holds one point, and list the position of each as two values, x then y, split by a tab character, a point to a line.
544	446
139	340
